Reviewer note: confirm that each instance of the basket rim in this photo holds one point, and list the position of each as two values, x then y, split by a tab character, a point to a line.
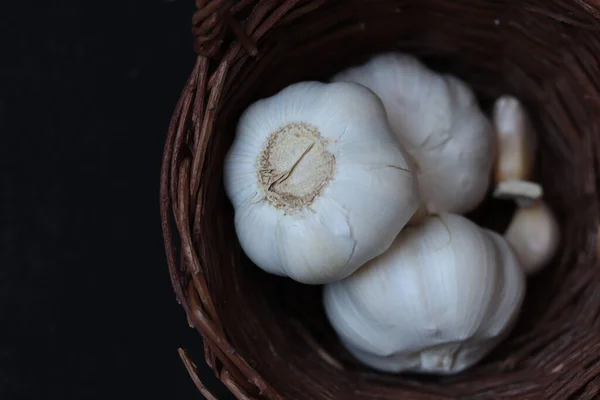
226	32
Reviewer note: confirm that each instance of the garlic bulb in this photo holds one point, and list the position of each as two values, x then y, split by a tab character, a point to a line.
515	138
318	182
438	301
534	235
439	123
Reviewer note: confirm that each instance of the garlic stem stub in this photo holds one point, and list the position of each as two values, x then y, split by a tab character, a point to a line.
516	140
318	182
534	235
438	301
438	121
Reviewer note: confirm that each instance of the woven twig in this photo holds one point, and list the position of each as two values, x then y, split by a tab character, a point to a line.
266	337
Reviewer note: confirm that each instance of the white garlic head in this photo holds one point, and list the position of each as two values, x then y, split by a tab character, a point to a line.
318	182
438	301
439	123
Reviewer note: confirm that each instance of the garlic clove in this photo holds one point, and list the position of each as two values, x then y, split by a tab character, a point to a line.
458	153
516	140
511	294
311	250
369	155
369	226
445	359
437	301
523	192
318	182
240	183
534	235
395	362
254	224
437	120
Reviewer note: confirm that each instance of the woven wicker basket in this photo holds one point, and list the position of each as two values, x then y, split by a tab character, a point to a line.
267	337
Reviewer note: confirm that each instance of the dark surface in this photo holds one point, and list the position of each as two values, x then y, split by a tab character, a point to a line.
86	94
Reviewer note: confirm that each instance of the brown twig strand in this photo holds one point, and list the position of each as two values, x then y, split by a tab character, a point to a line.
193	371
267	338
210	23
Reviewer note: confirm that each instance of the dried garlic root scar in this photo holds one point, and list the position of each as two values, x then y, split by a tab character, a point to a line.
523	192
294	167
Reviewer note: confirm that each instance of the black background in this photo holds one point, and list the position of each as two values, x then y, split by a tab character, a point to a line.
86	93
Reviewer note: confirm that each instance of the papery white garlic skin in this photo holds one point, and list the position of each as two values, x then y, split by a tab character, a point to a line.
513	287
516	140
534	235
318	182
439	123
438	301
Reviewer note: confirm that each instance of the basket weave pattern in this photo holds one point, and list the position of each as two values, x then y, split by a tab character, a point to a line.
266	337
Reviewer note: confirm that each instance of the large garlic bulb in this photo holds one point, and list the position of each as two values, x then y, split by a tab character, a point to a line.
438	121
318	182
437	301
